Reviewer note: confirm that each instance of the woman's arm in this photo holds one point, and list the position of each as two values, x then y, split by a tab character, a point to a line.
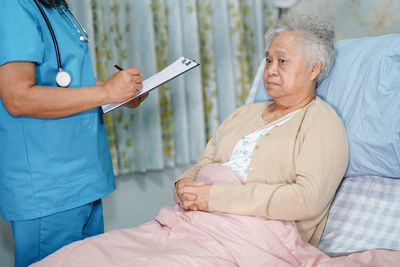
22	97
187	179
319	168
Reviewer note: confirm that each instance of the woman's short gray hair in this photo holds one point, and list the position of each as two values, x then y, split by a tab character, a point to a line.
316	40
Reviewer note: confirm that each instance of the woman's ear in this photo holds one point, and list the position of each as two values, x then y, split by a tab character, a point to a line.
315	70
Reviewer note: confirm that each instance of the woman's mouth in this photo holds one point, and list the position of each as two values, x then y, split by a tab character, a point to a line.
272	84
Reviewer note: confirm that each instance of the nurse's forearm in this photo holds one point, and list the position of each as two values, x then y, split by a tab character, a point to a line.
21	96
53	102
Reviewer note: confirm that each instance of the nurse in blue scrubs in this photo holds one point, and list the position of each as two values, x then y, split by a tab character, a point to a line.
55	163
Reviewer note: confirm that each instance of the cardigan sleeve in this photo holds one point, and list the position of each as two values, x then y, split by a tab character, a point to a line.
319	167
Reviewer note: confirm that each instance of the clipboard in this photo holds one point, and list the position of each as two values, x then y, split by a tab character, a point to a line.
180	66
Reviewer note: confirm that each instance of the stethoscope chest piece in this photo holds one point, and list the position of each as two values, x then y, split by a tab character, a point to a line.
63	78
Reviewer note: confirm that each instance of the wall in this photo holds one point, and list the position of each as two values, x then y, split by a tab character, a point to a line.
137	200
356	18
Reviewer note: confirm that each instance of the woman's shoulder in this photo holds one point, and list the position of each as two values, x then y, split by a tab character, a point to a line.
322	109
322	115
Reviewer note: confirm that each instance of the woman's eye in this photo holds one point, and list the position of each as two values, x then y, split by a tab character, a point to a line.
268	60
282	60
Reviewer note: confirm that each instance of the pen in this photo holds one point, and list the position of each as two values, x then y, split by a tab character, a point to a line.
117	67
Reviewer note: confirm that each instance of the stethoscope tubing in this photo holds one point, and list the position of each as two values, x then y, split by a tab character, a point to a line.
63	78
53	36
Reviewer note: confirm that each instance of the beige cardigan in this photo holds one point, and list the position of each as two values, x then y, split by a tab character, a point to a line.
294	171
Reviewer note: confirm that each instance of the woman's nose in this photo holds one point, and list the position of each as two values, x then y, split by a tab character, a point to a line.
271	69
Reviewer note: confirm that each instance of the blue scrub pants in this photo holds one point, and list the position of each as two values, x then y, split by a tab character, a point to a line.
37	238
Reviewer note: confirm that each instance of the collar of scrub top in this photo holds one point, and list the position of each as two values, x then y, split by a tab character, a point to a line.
63	78
83	36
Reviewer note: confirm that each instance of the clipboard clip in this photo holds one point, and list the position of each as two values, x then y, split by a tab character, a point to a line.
188	61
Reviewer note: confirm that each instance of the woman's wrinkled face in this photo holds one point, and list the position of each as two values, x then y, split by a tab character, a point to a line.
287	74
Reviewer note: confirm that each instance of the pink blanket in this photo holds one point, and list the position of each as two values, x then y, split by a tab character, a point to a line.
192	238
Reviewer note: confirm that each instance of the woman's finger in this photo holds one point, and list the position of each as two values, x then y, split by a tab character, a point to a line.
189	197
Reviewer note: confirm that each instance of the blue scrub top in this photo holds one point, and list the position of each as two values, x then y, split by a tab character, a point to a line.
49	165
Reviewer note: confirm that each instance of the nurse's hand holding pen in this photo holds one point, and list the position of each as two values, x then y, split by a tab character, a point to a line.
123	85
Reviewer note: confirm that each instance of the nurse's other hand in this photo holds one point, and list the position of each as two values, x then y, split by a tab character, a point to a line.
136	102
123	85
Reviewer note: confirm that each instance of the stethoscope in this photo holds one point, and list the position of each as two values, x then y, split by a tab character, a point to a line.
63	78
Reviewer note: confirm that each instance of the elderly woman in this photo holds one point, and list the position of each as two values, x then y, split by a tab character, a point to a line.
279	162
292	152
